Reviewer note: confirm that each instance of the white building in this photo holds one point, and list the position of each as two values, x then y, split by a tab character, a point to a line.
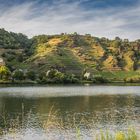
87	75
2	63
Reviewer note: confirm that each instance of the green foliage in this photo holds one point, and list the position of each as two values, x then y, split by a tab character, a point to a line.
103	53
9	40
100	79
20	58
31	75
4	73
55	76
134	79
18	75
70	54
70	78
116	75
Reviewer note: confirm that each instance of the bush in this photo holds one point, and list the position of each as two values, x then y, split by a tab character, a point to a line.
55	76
31	75
18	75
20	58
41	76
4	73
70	79
134	79
99	79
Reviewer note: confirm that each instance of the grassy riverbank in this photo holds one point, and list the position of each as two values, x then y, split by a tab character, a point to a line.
54	76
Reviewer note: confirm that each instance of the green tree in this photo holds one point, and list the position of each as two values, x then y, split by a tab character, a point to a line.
51	73
42	77
4	72
31	75
70	78
59	77
18	75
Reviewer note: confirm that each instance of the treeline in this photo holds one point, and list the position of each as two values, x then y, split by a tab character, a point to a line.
53	76
10	40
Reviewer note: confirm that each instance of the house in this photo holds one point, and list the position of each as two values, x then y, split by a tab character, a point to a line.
87	75
2	63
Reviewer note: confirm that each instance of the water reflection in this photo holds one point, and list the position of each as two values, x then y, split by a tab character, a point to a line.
107	107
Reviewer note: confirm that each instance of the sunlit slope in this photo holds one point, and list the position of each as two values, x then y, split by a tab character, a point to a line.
51	55
73	53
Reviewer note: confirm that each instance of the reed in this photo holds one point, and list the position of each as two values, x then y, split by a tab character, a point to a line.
126	135
53	126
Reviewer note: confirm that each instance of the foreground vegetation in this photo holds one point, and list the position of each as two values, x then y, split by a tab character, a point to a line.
129	135
54	127
68	58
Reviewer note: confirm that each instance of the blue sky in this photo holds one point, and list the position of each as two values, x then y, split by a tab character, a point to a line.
102	18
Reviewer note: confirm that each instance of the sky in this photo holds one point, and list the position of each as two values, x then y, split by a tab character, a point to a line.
101	18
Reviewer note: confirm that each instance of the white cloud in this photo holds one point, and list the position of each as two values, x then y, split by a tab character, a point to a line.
32	19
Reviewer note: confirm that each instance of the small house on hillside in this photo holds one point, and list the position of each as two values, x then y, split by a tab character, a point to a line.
2	63
87	75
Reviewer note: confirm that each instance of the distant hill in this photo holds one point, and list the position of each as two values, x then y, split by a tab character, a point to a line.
71	53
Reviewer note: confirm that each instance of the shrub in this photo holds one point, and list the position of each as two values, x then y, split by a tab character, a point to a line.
4	73
134	79
70	79
31	75
99	79
18	75
55	76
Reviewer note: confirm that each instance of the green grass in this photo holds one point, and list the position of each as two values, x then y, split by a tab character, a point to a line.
62	58
117	75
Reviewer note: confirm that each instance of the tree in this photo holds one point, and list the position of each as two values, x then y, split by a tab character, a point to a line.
10	40
59	77
51	73
55	76
42	77
18	75
99	79
31	75
20	58
4	72
70	78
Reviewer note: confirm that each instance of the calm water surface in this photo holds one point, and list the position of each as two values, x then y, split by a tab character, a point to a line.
46	113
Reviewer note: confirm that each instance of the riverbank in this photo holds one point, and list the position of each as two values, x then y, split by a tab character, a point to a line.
35	83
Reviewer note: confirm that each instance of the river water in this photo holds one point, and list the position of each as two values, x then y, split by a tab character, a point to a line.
67	112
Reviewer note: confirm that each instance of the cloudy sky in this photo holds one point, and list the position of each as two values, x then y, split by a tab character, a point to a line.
102	18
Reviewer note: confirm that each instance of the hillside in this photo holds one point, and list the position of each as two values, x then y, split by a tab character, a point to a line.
77	52
69	53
